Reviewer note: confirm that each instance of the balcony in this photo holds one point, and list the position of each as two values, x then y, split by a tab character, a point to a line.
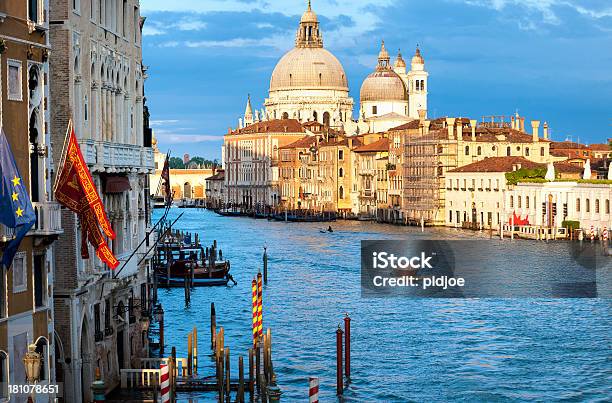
104	156
48	219
367	194
6	234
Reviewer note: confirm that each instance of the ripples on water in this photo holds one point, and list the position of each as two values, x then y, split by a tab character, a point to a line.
402	349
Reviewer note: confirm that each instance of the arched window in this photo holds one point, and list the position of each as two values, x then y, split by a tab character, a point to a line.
285	115
341	192
607	206
315	116
597	206
187	190
587	205
467	150
479	150
527	151
519	202
508	151
341	172
526	201
511	201
541	151
326	118
578	205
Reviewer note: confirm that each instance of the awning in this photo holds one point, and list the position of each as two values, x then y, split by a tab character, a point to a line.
116	184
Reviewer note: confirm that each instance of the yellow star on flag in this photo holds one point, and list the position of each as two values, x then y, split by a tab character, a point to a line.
19	212
15	196
16	181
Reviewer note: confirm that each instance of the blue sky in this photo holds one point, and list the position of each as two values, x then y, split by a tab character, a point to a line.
549	59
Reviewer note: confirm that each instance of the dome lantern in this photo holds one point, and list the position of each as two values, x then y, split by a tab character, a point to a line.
308	34
383	58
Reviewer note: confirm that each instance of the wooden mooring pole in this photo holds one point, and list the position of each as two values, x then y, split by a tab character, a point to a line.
161	334
189	354
347	347
213	326
251	372
240	395
265	265
339	375
227	374
195	349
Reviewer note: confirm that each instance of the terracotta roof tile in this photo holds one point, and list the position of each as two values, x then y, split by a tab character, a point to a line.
379	145
498	164
304	142
600	147
272	126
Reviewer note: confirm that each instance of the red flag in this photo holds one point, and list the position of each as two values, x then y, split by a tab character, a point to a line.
76	190
165	176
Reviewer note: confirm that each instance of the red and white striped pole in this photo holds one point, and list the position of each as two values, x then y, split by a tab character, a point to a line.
259	307
592	233
255	331
164	381
313	390
605	233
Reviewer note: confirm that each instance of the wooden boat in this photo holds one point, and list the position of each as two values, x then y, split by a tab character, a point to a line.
183	260
228	213
159	202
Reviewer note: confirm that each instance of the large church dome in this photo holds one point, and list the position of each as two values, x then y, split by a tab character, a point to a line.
308	68
383	84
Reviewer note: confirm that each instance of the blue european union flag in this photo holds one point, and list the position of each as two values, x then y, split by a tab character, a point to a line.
16	210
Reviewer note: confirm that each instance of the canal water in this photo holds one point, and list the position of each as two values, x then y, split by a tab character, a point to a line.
403	349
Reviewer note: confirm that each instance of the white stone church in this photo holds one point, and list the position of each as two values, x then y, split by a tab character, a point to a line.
309	84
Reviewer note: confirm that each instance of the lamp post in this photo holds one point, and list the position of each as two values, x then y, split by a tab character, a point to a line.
32	362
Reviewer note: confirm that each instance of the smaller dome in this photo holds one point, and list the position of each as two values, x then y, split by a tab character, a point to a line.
309	15
383	85
417	58
399	61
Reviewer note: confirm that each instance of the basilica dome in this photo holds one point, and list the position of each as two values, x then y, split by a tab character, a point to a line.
308	68
383	84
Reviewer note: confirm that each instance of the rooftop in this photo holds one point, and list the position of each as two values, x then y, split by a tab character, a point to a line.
379	145
272	126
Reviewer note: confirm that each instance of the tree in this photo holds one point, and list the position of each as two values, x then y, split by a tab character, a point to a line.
197	162
176	163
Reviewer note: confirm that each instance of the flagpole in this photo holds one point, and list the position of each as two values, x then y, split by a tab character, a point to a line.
63	154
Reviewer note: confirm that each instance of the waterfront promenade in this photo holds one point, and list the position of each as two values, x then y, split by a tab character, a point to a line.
402	349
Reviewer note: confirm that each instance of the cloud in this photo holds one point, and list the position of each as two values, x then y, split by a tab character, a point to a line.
548	10
361	12
162	122
156	28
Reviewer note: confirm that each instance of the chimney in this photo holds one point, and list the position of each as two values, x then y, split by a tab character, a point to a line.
426	126
422	114
535	126
460	129
450	125
545	130
513	123
522	128
473	124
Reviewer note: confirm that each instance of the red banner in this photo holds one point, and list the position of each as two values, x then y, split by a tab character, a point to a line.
76	190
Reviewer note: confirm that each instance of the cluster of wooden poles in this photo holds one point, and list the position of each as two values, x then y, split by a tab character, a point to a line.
261	378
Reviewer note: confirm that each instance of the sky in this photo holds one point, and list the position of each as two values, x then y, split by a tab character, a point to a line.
550	60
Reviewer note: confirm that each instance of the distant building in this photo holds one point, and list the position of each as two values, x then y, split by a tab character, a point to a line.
251	162
372	177
476	193
26	298
185	183
549	204
215	190
186	159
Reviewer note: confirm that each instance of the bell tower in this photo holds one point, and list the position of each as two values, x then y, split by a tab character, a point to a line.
417	85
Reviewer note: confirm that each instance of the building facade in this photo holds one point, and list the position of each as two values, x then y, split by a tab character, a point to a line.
26	288
251	162
97	80
215	190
